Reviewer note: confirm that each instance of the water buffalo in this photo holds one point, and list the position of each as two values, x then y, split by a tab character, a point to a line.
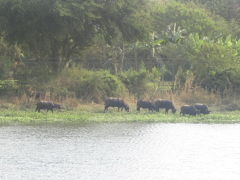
145	105
47	105
190	110
202	108
115	102
164	104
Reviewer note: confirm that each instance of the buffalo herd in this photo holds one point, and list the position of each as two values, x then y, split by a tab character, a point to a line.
156	105
152	106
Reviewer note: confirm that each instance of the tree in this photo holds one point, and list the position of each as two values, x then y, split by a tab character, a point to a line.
190	17
55	30
10	56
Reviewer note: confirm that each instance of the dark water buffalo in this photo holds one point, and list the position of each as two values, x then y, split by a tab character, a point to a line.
190	110
145	105
164	104
115	102
47	105
202	108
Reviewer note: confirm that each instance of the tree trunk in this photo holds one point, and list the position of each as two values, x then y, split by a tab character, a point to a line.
122	57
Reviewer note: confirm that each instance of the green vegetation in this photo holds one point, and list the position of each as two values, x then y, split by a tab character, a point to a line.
84	51
88	85
20	117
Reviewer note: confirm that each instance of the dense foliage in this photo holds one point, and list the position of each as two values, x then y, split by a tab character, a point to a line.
121	46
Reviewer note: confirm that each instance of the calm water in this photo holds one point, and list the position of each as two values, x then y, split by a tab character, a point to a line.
120	151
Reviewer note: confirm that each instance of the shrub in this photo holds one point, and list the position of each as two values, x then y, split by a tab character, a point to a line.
135	81
89	85
8	87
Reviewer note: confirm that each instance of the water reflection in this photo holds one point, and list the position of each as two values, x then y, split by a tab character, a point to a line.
120	151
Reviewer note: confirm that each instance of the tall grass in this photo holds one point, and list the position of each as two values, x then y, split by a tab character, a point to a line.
179	98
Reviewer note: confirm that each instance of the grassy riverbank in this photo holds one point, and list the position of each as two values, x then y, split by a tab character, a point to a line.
28	117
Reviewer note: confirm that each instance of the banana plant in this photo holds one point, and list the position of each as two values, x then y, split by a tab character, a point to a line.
174	33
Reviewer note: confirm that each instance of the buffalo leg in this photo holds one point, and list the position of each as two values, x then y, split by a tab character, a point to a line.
106	108
166	111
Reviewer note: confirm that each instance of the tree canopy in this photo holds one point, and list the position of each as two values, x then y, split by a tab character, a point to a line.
56	29
144	41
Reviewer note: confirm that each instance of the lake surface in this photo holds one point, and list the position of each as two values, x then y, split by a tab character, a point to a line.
122	151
